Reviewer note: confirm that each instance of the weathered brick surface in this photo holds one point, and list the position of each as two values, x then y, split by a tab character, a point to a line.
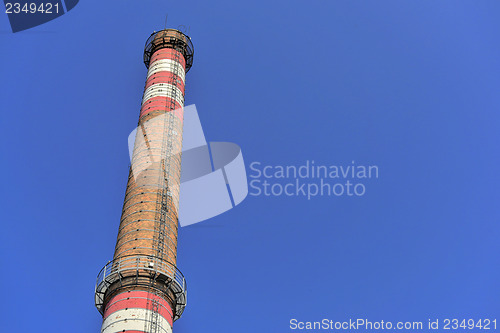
145	228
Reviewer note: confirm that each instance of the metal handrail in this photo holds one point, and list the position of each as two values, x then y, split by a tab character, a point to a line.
143	266
144	263
170	41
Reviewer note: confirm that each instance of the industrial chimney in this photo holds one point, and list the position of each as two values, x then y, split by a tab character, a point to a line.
141	289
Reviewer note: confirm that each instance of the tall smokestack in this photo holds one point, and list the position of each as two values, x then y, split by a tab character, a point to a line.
141	289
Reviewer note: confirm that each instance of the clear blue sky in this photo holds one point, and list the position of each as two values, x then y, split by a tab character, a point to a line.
410	86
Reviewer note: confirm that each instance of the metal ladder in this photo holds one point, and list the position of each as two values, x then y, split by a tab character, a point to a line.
164	200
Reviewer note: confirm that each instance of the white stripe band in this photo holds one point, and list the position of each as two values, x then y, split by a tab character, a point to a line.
132	320
164	90
167	65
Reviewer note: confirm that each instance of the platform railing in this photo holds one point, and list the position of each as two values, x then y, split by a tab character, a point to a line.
131	270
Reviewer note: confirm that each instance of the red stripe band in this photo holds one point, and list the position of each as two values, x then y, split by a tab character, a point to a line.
138	299
165	77
163	104
166	53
